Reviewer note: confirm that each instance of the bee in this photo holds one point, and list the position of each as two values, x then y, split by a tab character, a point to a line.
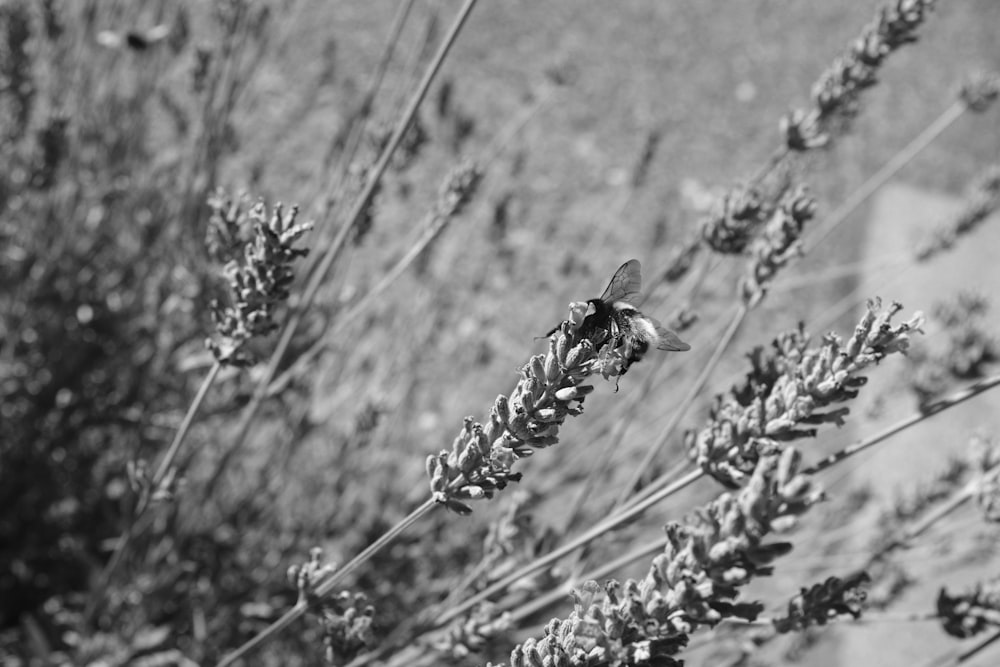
612	321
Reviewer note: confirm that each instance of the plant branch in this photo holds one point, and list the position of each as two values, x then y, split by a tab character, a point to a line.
706	372
328	585
333	251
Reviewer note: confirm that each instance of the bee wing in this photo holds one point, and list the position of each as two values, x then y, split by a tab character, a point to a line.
626	283
667	339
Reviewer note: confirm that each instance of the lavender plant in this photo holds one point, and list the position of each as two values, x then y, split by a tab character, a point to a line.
177	604
695	582
259	272
836	94
794	385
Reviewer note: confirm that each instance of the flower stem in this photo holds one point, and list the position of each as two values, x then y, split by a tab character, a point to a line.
644	466
930	410
587	537
121	545
890	169
333	250
328	585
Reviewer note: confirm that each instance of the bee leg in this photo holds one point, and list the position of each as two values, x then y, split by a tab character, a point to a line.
549	334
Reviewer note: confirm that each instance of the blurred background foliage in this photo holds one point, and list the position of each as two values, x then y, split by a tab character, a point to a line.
120	119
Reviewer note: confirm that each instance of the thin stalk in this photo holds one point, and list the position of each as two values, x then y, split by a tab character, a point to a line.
175	446
773	162
442	618
982	645
541	602
360	118
351	315
329	584
930	410
597	574
882	176
706	372
634	510
610	443
333	251
121	545
886	262
920	527
952	660
584	539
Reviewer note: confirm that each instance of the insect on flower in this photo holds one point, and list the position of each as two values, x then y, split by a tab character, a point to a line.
614	323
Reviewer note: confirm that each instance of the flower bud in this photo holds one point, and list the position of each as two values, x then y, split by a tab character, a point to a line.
502	409
551	367
574	393
538	367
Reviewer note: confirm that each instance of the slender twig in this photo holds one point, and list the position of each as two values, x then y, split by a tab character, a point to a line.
589	536
121	545
175	446
832	221
542	601
918	528
890	169
441	614
359	121
952	660
349	316
928	411
597	574
611	442
333	251
324	588
644	466
982	645
886	262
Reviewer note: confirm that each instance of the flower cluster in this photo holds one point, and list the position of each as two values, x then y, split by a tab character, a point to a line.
980	90
777	245
823	602
347	626
695	582
415	138
792	386
970	613
457	190
737	216
835	95
970	348
550	389
259	278
346	618
982	201
514	539
471	633
681	260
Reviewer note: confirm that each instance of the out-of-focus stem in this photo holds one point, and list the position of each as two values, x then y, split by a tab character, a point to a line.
890	169
121	545
928	411
569	547
328	585
706	372
335	247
